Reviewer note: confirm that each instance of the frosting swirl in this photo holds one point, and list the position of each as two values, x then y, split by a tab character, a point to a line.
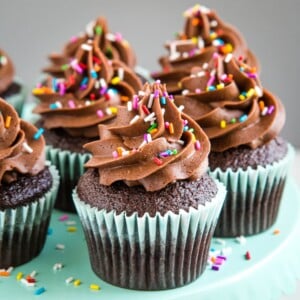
204	33
226	99
113	45
21	146
152	145
6	71
87	94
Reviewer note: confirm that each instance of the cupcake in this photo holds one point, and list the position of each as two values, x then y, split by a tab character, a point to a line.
113	45
147	206
243	122
204	33
28	187
11	88
72	105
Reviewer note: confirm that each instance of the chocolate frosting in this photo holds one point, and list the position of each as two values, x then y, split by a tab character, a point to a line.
153	144
6	71
113	46
204	34
226	99
87	94
20	152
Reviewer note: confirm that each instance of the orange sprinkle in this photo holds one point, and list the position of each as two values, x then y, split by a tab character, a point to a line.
120	151
4	274
195	21
153	131
7	121
276	231
171	128
97	68
213	259
261	105
124	98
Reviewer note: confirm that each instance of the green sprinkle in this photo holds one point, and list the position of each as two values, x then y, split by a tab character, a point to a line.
98	30
154	125
233	120
174	152
64	67
191	130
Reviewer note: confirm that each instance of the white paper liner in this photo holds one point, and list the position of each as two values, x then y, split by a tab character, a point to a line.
70	166
149	253
23	229
253	197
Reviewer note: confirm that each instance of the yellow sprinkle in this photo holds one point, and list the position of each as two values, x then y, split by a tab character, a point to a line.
213	35
19	276
250	93
125	43
115	80
153	131
171	128
7	121
120	151
220	86
77	282
42	90
71	229
242	97
227	48
94	287
114	110
193	138
223	124
195	40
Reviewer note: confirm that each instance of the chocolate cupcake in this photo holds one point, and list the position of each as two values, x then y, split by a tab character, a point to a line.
71	107
147	206
204	33
28	187
242	121
11	88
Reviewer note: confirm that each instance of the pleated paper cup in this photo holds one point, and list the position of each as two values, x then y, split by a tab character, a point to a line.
253	197
149	253
70	166
23	230
18	100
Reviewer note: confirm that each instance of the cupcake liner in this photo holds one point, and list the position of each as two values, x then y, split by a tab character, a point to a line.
18	100
23	230
70	166
149	253
253	197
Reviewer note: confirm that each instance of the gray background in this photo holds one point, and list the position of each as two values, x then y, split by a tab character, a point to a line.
31	29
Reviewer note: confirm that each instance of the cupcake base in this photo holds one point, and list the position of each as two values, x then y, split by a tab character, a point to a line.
23	229
150	252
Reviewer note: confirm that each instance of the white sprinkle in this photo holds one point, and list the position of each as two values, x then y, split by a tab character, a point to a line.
33	274
149	138
201	74
108	111
134	119
185	55
141	93
228	58
69	280
150	102
204	9
25	282
265	111
57	266
88	102
2	270
27	148
205	66
3	60
174	56
58	104
111	37
185	92
149	117
181	108
60	246
241	240
121	73
213	72
214	23
10	269
163	110
102	82
86	47
193	76
70	223
97	85
258	91
201	43
90	29
220	242
129	105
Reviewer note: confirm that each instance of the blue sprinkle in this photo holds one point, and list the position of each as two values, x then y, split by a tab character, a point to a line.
242	69
38	134
94	74
211	88
219	42
84	81
39	291
185	128
243	118
163	100
244	94
53	106
49	231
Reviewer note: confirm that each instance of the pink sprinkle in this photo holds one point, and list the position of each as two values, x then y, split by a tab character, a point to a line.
185	122
63	218
197	145
39	85
62	89
135	102
167	124
73	39
115	154
103	91
222	257
192	52
100	113
71	104
156	93
219	261
271	109
118	37
215	55
252	75
198	91
211	80
223	77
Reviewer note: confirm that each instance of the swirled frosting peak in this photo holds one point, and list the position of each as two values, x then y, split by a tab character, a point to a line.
204	33
88	92
113	46
226	99
152	143
6	71
21	146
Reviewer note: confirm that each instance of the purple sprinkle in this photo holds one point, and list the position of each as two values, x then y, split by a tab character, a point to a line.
103	91
215	268
271	109
165	94
156	93
222	257
252	75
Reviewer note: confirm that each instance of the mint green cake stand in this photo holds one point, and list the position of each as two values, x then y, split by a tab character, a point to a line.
272	270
